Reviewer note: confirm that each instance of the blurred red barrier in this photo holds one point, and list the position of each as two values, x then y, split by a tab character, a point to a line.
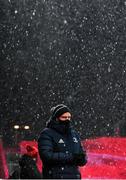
106	158
3	163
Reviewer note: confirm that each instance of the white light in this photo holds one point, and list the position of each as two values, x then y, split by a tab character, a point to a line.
65	21
16	126
26	127
16	11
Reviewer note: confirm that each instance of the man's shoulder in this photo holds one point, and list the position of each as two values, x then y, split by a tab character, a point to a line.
47	131
75	132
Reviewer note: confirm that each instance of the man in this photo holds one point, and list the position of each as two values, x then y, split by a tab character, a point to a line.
59	146
28	166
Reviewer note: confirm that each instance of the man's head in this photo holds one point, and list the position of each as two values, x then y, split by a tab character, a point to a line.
32	151
61	112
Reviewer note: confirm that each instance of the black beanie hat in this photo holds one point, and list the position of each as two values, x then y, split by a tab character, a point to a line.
59	110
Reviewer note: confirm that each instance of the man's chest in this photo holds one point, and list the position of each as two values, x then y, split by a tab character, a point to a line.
65	143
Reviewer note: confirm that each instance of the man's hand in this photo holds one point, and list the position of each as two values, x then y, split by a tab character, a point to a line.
80	158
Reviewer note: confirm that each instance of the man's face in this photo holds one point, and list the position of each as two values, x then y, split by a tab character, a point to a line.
65	116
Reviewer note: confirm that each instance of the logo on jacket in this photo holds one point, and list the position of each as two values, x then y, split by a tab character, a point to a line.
61	141
75	140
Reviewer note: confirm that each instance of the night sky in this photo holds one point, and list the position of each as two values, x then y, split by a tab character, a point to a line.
67	51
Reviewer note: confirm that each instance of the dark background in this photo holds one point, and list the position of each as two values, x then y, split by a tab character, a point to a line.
67	51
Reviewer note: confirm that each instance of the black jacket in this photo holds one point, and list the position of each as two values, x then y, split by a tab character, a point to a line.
15	174
59	148
28	168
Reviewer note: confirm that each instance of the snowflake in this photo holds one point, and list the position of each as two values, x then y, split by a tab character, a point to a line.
15	11
65	21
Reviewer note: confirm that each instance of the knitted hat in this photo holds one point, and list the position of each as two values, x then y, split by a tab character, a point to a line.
31	151
58	110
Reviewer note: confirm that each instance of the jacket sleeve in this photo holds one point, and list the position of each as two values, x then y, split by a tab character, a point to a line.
47	154
80	155
82	160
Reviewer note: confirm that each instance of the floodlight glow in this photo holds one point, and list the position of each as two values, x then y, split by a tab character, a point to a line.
16	126
26	127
